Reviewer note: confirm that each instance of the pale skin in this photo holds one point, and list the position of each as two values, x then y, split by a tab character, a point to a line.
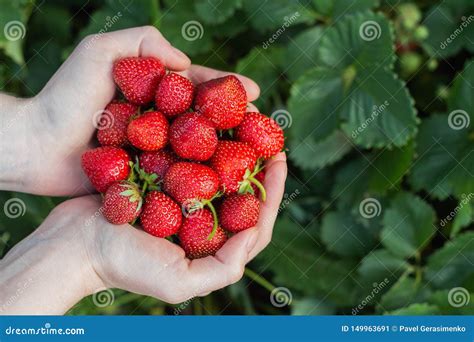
76	252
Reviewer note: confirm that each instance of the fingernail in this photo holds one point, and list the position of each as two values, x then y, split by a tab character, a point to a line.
252	240
180	54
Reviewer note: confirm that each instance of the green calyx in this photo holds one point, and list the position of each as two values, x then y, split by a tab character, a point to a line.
245	186
133	193
139	176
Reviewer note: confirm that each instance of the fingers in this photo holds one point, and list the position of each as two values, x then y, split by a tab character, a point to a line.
275	176
252	108
225	268
198	74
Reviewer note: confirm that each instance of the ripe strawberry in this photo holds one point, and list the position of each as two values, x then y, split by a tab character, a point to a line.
192	136
174	95
122	203
187	181
194	235
161	215
262	133
223	100
157	162
105	165
231	161
138	78
239	212
148	132
113	123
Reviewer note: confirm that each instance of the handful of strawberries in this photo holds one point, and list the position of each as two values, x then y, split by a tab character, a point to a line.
191	165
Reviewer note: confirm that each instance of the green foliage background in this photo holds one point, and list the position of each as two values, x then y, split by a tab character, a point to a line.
329	80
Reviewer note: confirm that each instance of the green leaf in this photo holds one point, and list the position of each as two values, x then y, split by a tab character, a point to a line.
387	174
451	265
420	309
264	67
302	52
296	258
461	96
277	14
362	40
310	155
182	28
442	299
408	225
445	161
464	212
403	293
379	111
381	264
338	8
450	29
216	11
347	235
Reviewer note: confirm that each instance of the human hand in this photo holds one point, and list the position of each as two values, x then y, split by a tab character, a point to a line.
63	125
76	252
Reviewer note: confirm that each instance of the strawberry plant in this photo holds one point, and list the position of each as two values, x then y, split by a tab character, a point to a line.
375	99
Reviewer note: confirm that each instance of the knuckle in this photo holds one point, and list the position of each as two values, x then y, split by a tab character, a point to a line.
236	274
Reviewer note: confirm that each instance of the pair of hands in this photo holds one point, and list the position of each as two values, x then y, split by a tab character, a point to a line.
76	252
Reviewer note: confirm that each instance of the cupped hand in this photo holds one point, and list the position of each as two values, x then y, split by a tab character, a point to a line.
68	106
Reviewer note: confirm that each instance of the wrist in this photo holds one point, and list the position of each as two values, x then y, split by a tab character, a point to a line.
48	272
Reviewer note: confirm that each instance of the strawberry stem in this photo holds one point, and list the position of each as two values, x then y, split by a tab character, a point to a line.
260	187
214	216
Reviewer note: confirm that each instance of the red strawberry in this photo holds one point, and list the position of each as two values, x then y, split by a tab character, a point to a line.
105	165
161	215
239	212
138	78
262	133
174	95
157	162
112	130
192	136
231	161
194	235
187	181
223	100
122	203
148	132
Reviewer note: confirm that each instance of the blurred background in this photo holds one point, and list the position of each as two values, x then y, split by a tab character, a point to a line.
376	99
